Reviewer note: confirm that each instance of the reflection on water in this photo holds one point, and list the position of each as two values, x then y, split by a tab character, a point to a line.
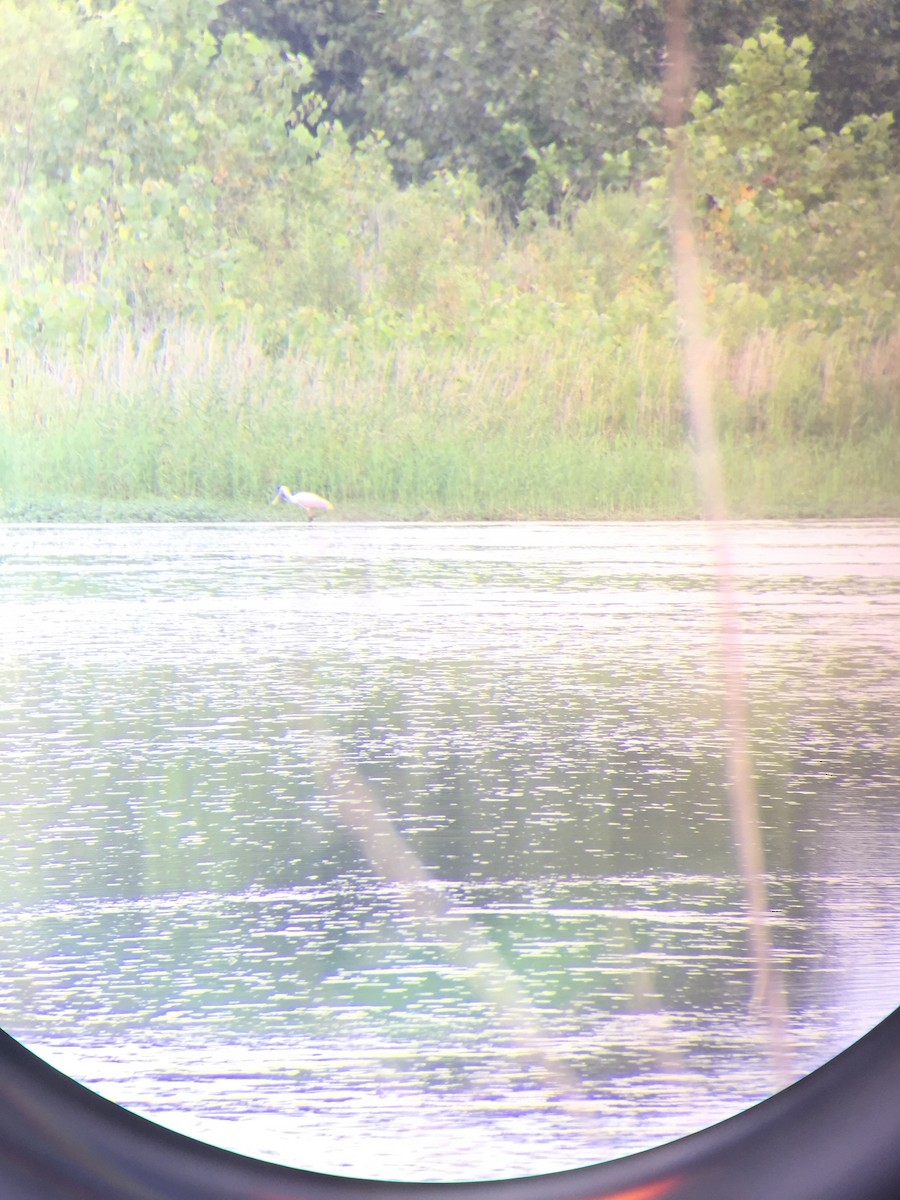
530	951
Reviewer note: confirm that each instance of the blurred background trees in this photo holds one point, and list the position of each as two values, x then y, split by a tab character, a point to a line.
432	166
543	100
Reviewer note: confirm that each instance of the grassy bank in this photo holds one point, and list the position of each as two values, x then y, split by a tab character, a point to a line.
197	308
193	425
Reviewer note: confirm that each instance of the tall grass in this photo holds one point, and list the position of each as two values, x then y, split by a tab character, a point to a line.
540	427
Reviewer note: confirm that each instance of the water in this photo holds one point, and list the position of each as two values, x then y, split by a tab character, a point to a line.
405	851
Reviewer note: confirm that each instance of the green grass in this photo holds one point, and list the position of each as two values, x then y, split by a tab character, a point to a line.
813	478
194	426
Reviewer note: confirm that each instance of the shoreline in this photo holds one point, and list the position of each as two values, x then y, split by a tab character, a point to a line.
192	513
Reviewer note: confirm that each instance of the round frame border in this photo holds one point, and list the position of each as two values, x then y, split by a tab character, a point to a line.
833	1135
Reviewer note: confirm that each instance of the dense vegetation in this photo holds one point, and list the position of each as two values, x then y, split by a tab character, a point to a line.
562	95
210	285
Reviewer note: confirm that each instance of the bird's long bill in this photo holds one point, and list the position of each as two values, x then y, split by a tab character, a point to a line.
276	497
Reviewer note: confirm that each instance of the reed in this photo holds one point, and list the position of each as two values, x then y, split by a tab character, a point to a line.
556	426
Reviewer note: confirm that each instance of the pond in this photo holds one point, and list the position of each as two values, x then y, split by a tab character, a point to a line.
406	851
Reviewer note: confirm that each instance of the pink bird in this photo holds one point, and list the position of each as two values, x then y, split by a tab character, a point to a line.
308	501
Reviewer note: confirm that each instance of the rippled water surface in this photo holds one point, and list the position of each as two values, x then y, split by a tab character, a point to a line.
406	851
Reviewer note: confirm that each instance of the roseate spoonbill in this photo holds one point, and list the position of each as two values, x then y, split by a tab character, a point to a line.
308	501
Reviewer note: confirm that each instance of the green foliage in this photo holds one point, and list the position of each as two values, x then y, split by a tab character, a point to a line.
760	124
544	102
145	158
854	64
797	213
339	38
527	97
539	102
201	297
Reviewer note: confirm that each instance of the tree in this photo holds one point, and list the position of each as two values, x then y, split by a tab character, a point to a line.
783	200
542	101
156	168
538	101
339	38
853	67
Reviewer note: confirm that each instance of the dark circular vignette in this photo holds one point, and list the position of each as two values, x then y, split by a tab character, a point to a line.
834	1135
